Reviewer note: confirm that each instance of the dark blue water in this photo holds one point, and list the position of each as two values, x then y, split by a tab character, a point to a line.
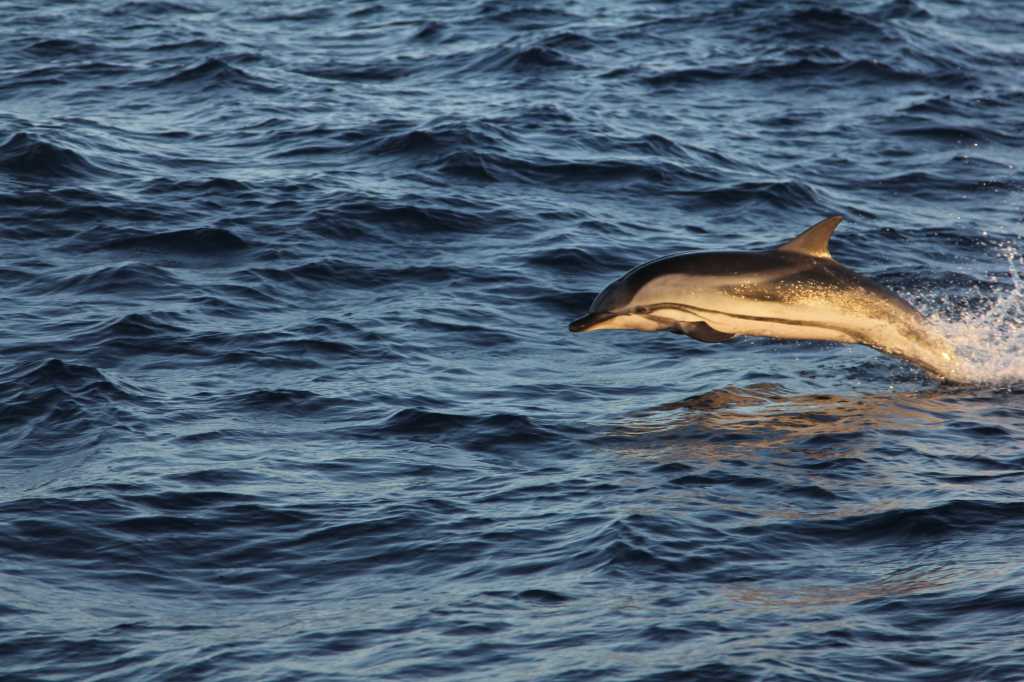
286	389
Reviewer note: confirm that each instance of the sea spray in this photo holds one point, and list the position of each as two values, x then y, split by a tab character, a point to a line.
988	333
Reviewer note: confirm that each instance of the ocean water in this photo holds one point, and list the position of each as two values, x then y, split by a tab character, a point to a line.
286	388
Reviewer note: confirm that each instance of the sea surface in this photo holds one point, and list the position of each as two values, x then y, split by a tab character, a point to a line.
286	386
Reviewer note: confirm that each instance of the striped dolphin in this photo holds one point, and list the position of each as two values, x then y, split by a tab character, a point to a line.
796	291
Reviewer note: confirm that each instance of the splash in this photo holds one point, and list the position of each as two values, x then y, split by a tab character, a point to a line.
988	336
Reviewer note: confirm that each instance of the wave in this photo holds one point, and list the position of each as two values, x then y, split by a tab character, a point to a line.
930	524
561	260
197	45
416	217
512	57
859	71
956	134
139	325
56	415
59	47
132	334
495	167
209	187
486	150
515	58
215	73
203	241
831	19
54	374
122	279
787	194
27	155
317	274
326	344
308	14
63	211
294	402
476	432
430	31
524	18
156	8
350	72
439	136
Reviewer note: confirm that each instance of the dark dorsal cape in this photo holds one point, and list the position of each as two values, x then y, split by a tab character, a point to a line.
811	242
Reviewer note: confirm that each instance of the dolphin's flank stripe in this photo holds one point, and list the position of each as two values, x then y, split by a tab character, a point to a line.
696	310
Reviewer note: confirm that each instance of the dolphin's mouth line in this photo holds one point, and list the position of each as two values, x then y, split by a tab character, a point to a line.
589	320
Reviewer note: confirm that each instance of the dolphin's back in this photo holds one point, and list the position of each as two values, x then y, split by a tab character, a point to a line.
692	271
760	276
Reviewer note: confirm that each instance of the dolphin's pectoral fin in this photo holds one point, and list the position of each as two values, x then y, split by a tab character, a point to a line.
701	331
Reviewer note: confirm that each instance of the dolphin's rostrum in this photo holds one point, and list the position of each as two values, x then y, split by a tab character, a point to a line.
796	291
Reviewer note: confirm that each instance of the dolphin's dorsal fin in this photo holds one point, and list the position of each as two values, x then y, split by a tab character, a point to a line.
814	240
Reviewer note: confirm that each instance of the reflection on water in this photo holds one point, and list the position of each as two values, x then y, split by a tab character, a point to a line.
927	576
785	471
812	595
768	455
752	420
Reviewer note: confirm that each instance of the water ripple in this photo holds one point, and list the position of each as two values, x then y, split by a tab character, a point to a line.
286	390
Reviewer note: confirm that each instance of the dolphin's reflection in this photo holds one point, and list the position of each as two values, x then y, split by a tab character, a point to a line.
760	418
795	595
915	576
793	479
818	457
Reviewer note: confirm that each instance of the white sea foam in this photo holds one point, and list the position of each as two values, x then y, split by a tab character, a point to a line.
989	338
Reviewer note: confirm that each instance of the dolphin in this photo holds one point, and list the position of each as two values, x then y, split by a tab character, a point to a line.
795	291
